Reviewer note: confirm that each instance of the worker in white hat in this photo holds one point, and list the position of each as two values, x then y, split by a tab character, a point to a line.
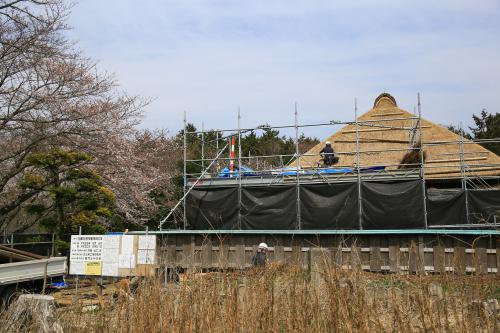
260	257
328	154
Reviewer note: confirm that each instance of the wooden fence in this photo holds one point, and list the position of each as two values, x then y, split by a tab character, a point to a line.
376	253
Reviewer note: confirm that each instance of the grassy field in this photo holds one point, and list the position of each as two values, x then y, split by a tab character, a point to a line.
288	299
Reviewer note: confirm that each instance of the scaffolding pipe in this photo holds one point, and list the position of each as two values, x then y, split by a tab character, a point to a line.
202	146
331	123
360	203
297	154
470	169
463	173
217	149
494	140
337	153
422	161
184	218
239	169
183	199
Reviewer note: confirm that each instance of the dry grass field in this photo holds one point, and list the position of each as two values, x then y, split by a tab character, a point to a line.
285	299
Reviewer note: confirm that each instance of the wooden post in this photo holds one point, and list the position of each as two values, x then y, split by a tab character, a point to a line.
279	253
223	256
412	258
375	258
394	255
240	253
497	248
188	255
45	276
171	256
439	258
459	259
206	255
355	257
421	255
481	260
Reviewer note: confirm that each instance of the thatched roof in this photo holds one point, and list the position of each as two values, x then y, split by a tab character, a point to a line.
441	161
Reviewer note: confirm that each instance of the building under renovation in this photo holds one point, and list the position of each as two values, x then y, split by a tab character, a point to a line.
396	170
406	195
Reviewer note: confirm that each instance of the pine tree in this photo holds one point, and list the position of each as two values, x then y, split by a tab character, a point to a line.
69	194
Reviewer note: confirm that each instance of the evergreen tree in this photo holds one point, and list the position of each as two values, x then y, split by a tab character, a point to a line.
487	126
69	194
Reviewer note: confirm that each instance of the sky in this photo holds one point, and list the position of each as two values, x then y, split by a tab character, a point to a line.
211	58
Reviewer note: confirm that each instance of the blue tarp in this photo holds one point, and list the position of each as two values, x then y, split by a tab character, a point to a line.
293	171
225	173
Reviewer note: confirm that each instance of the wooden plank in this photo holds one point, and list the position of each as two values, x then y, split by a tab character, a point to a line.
188	255
394	255
297	255
206	254
355	257
481	260
240	256
171	256
375	257
459	259
388	114
223	256
439	258
379	130
21	253
336	252
421	255
457	160
498	255
279	254
412	258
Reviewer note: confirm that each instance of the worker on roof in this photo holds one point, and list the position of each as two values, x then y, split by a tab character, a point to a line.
328	155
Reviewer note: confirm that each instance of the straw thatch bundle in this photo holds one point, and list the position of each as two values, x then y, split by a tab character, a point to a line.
412	158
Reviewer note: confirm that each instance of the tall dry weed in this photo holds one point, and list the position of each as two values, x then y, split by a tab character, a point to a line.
290	299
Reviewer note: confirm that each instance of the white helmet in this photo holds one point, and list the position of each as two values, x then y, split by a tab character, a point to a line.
263	246
328	143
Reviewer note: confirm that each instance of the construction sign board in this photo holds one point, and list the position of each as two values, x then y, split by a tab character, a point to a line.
113	255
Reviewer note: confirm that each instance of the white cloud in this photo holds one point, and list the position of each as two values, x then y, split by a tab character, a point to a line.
211	57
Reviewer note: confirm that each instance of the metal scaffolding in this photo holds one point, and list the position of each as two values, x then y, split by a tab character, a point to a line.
267	173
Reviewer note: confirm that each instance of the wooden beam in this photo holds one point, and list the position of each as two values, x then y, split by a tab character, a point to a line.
458	160
457	170
387	114
22	253
380	129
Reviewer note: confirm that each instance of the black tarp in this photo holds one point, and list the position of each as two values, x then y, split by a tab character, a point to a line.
269	207
213	208
446	207
396	205
385	205
329	206
483	206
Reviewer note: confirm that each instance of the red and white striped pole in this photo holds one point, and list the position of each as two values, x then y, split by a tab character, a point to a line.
231	155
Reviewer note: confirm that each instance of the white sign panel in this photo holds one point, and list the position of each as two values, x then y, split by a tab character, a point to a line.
106	254
147	242
145	257
110	255
77	268
110	269
126	261
111	242
127	244
86	248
